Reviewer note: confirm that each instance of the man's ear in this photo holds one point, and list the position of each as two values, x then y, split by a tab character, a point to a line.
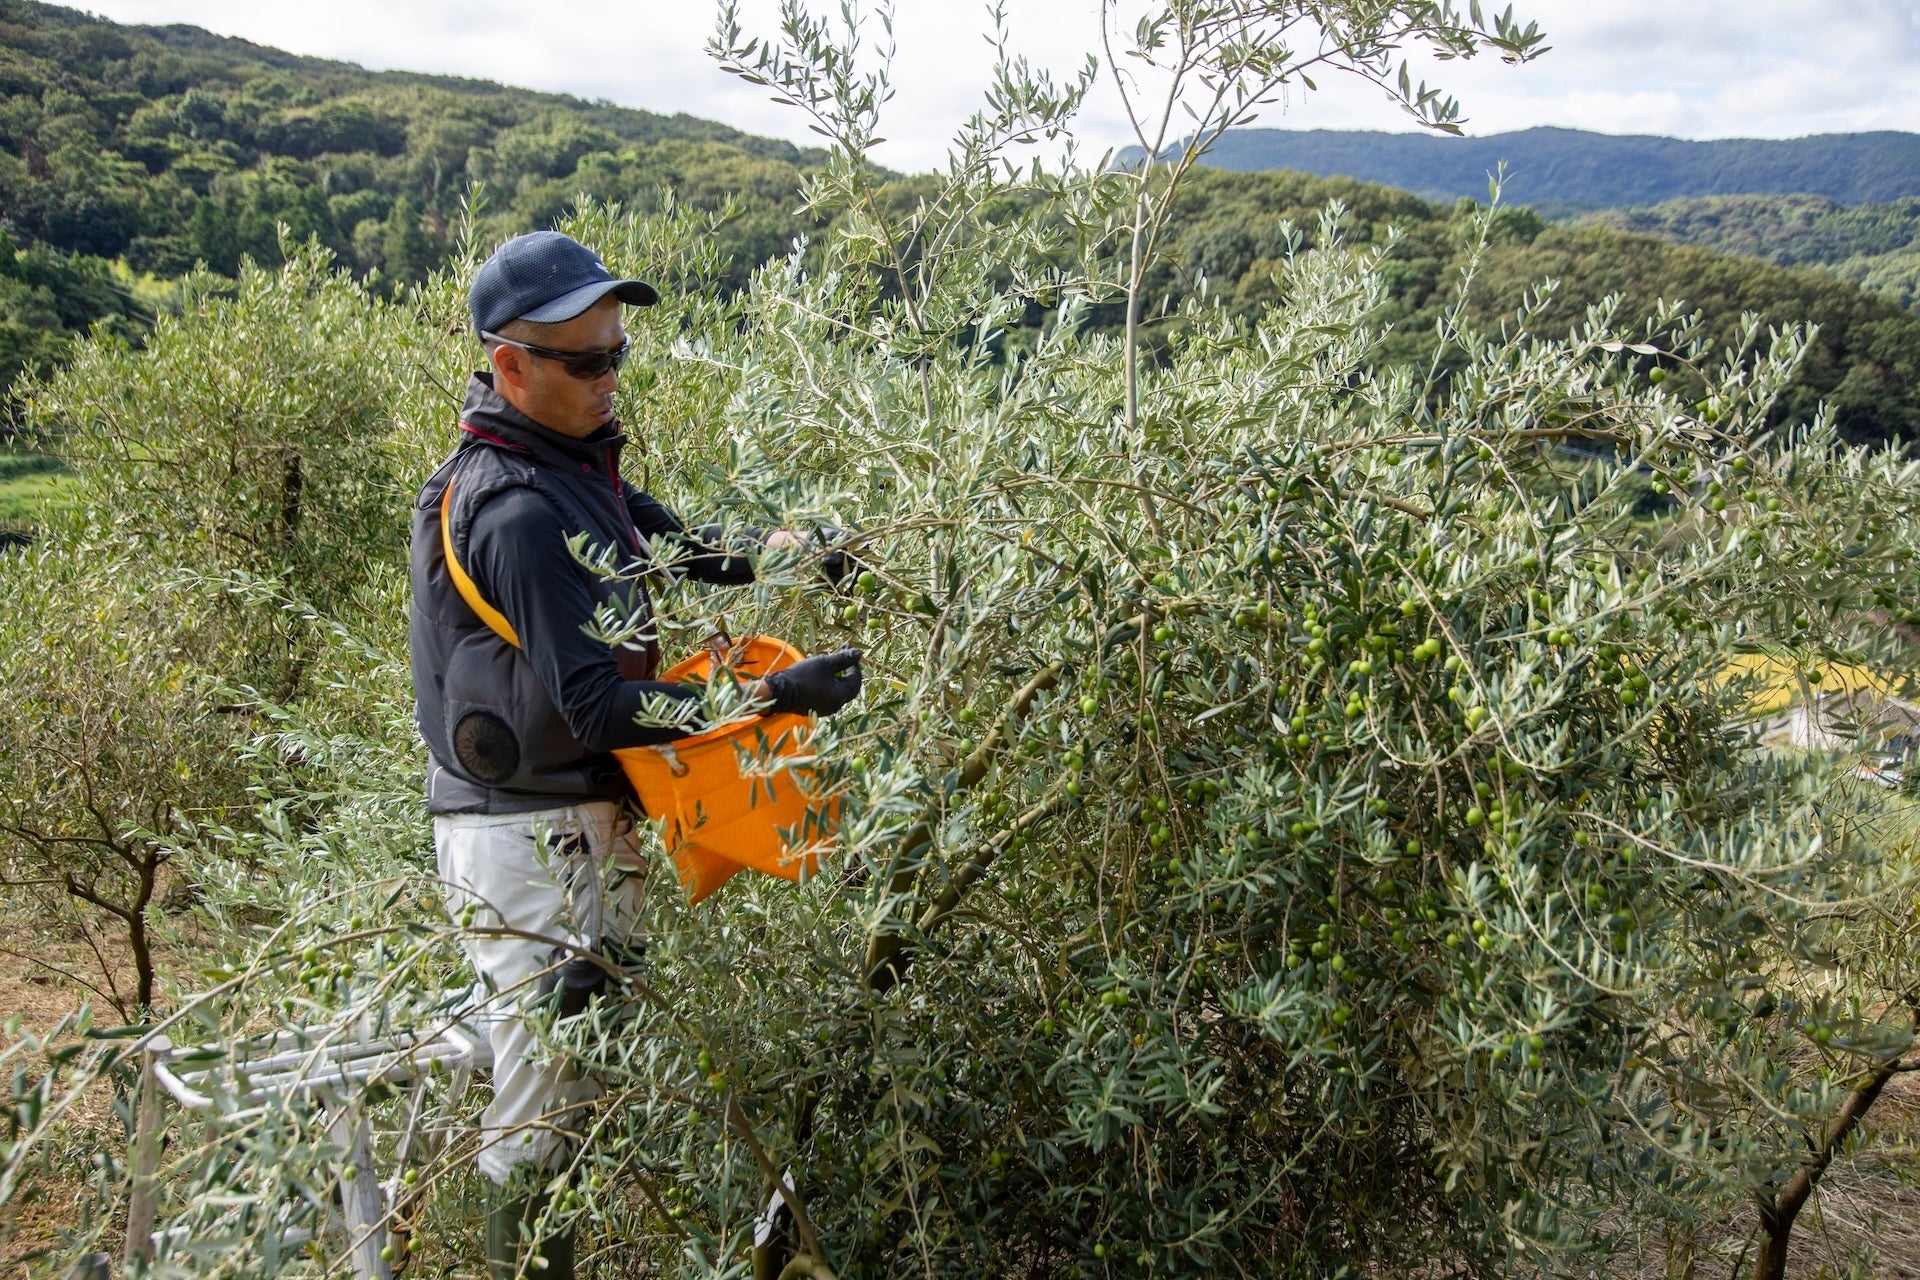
508	366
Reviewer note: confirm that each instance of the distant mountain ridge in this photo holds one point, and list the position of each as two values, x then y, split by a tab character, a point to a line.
1559	169
129	154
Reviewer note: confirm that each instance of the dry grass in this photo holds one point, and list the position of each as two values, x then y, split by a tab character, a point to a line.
1871	1201
90	1127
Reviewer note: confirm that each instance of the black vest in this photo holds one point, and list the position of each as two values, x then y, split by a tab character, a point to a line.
460	667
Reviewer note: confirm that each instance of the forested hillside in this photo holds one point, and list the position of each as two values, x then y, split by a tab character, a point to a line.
129	154
1559	168
1234	228
1876	245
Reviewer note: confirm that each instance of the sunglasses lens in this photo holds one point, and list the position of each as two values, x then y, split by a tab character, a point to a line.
594	364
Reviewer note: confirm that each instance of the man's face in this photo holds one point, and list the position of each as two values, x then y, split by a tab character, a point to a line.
544	390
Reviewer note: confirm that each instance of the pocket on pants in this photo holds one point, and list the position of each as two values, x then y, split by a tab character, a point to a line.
625	876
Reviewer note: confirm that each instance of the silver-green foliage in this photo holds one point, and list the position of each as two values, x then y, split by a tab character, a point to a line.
249	435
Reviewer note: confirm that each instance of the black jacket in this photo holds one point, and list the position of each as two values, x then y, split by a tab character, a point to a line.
512	730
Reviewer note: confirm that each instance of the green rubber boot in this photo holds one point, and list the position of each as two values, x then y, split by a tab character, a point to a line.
507	1213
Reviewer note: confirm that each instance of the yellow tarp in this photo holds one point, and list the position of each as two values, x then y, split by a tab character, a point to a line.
1780	687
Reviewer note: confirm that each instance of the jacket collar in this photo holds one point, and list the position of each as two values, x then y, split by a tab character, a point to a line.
487	418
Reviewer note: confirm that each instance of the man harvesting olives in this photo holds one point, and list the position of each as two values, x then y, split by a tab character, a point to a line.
534	825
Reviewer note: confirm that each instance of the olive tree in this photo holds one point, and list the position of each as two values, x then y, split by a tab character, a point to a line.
1317	804
1313	825
192	667
238	453
111	745
248	438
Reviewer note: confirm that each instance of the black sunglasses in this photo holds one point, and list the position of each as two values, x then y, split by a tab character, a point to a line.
584	365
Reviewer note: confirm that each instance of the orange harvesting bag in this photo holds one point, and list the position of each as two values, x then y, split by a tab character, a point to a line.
727	797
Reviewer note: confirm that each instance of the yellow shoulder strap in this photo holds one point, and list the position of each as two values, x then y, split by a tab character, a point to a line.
463	584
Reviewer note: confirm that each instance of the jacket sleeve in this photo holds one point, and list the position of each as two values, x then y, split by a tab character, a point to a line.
517	556
710	558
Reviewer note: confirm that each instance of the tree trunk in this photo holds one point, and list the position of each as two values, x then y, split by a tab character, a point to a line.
1775	1229
1777	1212
137	940
142	949
293	482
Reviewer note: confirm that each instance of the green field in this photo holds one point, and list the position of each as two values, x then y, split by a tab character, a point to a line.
31	485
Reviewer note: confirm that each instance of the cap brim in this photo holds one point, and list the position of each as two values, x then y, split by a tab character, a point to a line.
635	293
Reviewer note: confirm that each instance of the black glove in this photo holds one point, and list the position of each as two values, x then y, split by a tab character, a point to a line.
838	564
819	685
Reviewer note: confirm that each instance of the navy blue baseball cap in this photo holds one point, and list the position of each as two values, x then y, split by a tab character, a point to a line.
546	277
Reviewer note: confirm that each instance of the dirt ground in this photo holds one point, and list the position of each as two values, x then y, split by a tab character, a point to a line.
33	989
1871	1199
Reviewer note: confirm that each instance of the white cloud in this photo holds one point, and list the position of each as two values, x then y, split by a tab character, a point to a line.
1691	68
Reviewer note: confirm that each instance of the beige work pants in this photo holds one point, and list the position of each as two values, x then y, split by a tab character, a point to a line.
564	878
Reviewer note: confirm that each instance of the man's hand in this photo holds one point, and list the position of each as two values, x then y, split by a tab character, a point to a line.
819	685
837	564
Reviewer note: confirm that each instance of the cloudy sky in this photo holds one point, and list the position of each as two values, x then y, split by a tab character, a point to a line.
1686	68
